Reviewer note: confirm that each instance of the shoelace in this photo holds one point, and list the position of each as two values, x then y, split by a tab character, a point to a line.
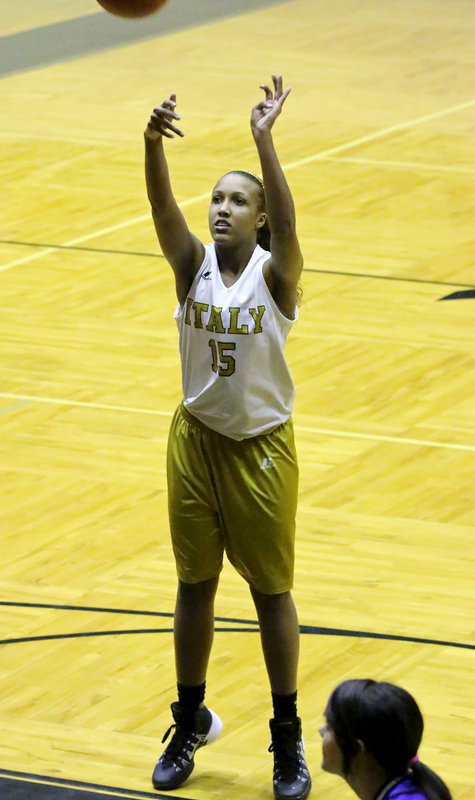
286	750
178	742
167	733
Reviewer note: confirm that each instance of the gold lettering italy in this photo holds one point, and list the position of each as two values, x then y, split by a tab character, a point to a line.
195	315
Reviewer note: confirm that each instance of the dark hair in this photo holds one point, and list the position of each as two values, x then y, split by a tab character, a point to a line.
388	721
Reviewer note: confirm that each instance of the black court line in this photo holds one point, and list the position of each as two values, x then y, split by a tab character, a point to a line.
81	36
109	251
390	278
304	629
13	785
106	251
82	635
117	611
459	295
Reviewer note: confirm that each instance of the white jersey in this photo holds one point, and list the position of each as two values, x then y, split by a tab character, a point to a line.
235	377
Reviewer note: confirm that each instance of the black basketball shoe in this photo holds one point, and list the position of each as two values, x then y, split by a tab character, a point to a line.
291	776
192	730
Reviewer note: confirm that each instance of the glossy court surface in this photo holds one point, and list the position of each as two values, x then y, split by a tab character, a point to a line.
377	144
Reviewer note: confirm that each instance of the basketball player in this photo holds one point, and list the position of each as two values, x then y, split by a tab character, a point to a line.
231	462
371	738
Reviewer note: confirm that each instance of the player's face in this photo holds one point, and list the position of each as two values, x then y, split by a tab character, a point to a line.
332	757
234	214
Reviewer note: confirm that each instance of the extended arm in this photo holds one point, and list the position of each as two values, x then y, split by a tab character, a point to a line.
282	271
182	249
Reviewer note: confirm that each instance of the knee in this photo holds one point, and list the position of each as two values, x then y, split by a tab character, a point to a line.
270	603
197	594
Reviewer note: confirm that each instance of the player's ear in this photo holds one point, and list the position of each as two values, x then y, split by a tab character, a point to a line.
362	756
261	219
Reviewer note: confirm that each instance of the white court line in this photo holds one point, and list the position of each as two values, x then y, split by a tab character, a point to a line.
51	137
56	401
292	165
300	428
95	234
414	165
379	438
371	137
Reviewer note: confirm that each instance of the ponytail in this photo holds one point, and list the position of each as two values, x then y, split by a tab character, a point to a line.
389	723
263	236
429	782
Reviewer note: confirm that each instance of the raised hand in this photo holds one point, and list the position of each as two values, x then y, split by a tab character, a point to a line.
265	113
160	123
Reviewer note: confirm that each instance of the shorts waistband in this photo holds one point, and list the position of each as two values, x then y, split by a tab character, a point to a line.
194	421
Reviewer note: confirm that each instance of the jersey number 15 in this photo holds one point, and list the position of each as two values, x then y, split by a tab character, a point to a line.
221	361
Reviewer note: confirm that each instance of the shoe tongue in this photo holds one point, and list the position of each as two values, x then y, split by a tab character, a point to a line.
285	734
184	717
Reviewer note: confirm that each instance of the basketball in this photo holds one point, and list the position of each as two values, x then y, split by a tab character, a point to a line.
131	8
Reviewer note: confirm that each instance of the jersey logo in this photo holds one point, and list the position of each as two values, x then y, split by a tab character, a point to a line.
267	463
206	275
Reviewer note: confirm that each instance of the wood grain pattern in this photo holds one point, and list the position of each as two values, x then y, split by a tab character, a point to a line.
377	143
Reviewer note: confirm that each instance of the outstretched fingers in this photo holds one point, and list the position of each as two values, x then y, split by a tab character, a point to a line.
277	96
268	91
162	116
277	81
280	96
283	97
163	125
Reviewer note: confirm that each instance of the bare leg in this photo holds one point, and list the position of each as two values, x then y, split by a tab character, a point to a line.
193	630
279	628
194	725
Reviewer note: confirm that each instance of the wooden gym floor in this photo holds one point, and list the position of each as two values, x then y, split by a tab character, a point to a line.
377	143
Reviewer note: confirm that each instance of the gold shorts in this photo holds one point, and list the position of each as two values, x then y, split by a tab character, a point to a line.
233	497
